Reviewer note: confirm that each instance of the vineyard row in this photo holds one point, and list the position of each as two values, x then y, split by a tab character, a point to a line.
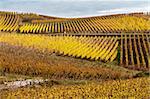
35	24
131	51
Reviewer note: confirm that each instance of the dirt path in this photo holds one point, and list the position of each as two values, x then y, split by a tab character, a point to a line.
23	83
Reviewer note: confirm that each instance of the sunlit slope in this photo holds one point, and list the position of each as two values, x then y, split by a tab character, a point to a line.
124	23
94	48
33	23
9	22
131	51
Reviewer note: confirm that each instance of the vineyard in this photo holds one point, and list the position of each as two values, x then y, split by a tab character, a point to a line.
109	54
28	61
135	88
33	23
130	51
9	22
134	51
